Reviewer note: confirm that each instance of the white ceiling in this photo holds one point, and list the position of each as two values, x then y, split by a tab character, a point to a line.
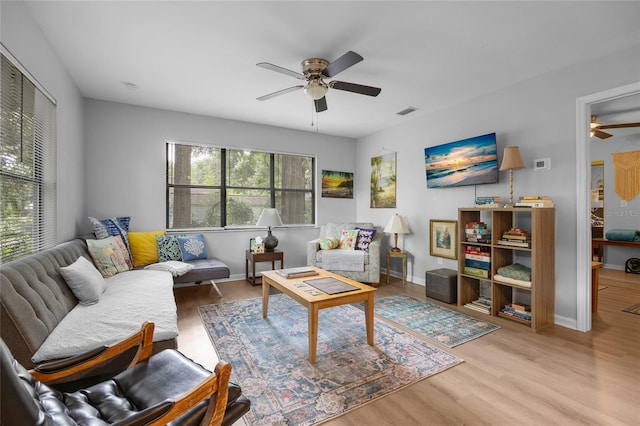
199	57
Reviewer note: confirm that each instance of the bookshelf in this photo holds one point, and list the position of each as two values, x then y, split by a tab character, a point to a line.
539	224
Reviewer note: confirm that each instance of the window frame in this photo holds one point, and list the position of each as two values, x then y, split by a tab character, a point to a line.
224	187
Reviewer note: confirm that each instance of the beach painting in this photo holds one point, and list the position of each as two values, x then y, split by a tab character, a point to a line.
337	184
470	161
383	181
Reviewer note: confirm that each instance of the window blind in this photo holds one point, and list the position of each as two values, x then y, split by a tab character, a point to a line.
27	166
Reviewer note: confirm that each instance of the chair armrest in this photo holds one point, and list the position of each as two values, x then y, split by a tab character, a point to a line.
61	369
215	387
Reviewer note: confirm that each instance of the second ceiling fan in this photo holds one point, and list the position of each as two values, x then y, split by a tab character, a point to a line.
597	128
314	72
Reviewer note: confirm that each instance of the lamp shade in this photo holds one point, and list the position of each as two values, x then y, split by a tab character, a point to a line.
396	225
511	159
269	217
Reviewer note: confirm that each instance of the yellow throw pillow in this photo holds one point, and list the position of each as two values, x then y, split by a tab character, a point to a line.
144	247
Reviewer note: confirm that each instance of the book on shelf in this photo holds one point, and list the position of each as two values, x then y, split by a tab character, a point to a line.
521	307
302	271
477	264
514	318
476	272
479	257
478	308
494	199
535	201
524	244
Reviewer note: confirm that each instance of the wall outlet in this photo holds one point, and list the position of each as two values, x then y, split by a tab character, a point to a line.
439	261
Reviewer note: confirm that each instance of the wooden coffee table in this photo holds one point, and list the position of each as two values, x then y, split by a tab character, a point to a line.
315	303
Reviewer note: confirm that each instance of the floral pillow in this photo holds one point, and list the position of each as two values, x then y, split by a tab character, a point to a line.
168	248
348	239
365	236
329	243
109	256
111	227
192	247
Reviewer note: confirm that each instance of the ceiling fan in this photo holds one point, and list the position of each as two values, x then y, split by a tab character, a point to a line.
596	128
315	71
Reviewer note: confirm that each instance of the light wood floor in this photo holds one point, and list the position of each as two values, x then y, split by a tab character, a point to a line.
510	376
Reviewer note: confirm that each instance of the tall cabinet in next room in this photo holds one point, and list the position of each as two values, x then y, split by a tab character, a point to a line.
478	287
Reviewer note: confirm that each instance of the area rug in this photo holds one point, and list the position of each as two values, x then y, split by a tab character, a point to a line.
633	309
269	359
439	324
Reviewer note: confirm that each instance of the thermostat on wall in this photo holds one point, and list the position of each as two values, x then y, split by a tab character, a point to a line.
542	164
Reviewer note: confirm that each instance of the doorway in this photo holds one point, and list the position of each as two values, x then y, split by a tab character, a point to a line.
583	198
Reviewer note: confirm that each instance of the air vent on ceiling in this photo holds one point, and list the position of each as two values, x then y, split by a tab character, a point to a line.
406	111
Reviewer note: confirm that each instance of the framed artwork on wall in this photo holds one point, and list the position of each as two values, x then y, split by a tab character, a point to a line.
443	237
337	184
383	181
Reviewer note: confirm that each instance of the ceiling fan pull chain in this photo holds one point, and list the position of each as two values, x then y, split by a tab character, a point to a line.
312	104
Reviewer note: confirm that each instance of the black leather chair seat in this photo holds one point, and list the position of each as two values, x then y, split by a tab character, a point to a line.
133	397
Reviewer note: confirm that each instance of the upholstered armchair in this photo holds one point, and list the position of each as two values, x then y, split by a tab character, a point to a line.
369	273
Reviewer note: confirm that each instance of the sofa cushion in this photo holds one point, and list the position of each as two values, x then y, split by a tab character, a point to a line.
84	280
130	299
144	247
111	227
348	239
168	248
108	256
192	247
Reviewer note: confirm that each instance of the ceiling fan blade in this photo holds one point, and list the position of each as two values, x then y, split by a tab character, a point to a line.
602	135
321	104
279	92
345	61
619	126
268	66
355	88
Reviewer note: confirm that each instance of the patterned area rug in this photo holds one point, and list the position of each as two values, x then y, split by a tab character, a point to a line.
439	324
269	359
633	309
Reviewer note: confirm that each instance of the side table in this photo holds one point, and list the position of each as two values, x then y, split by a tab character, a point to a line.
399	254
267	256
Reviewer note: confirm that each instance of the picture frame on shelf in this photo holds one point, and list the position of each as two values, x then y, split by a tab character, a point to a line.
443	237
252	245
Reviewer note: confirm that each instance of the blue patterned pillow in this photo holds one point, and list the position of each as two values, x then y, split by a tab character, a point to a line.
192	247
168	248
111	227
365	236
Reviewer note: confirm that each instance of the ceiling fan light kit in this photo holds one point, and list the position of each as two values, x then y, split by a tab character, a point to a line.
314	71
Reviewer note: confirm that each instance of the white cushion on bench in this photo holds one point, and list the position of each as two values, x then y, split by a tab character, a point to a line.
130	299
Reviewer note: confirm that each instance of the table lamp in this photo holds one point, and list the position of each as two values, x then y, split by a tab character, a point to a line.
396	226
269	217
511	160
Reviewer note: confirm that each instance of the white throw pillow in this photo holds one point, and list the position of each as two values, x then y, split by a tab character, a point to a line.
84	280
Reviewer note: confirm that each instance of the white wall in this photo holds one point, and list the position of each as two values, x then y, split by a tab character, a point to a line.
539	116
617	215
24	40
126	171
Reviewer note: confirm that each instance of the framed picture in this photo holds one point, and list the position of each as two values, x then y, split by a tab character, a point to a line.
337	184
252	245
444	238
383	181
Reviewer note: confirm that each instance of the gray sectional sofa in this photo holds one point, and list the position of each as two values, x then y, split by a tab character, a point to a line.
41	319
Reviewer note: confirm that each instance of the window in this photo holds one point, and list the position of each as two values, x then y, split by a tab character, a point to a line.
27	166
217	187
